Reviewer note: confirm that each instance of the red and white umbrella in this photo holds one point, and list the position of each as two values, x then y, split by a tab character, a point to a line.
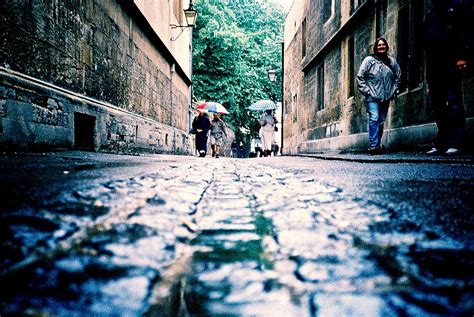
213	107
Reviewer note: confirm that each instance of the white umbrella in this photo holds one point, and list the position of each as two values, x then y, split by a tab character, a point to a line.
262	105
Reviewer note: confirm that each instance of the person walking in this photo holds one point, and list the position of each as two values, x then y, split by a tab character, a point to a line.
233	148
275	148
378	80
267	131
258	147
448	44
201	125
218	135
241	150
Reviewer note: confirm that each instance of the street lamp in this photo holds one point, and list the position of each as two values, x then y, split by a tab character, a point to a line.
272	76
190	15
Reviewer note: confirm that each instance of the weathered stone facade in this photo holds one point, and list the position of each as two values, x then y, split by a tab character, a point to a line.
325	43
94	74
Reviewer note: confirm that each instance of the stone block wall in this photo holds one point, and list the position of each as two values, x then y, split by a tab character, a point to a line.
38	116
342	124
96	58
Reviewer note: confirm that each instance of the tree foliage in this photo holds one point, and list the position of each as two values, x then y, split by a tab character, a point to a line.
235	43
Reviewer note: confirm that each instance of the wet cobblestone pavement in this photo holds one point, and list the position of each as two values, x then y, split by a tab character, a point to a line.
236	238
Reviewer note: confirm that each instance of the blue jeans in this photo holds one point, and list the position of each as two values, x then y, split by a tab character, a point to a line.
377	111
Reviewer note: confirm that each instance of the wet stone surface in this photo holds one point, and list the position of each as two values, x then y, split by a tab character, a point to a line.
238	238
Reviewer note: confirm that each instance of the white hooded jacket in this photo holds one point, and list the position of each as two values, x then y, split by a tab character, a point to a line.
376	81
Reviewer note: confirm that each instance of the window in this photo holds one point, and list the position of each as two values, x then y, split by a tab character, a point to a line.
403	45
326	10
178	10
350	67
355	4
380	17
303	38
410	50
295	107
320	87
416	70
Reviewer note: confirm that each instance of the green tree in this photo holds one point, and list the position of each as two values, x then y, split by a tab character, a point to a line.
235	43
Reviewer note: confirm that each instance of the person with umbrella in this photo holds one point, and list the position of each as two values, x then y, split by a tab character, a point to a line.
201	126
218	134
213	107
267	131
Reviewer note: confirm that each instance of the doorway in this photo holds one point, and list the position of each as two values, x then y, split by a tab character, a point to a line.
84	127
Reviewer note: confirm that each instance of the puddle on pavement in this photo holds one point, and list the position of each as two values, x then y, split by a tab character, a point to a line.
234	276
233	266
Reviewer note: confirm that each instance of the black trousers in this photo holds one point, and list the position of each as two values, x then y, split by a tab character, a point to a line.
445	90
201	142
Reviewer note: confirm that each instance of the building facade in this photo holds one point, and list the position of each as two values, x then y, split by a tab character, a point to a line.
325	43
108	75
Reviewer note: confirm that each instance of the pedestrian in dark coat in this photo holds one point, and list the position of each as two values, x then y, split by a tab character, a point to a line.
241	150
233	148
201	125
448	40
275	148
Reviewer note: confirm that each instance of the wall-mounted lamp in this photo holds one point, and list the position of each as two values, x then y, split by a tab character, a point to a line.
191	15
272	75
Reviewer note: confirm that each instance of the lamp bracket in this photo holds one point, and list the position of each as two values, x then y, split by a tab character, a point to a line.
174	26
182	27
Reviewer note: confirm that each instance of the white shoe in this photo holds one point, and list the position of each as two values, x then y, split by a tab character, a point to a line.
433	151
451	151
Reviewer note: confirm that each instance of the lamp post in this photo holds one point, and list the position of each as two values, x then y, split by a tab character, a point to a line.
272	76
190	14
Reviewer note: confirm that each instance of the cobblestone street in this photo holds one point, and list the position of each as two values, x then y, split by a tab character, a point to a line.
200	237
241	158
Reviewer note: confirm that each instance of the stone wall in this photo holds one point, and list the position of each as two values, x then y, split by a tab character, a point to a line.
292	90
37	116
70	64
342	124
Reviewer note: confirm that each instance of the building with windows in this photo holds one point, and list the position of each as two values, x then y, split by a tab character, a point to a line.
108	75
325	43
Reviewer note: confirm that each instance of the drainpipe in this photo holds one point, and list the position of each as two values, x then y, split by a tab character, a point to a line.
282	94
172	70
190	111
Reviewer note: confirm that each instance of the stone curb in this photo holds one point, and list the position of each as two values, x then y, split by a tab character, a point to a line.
393	158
